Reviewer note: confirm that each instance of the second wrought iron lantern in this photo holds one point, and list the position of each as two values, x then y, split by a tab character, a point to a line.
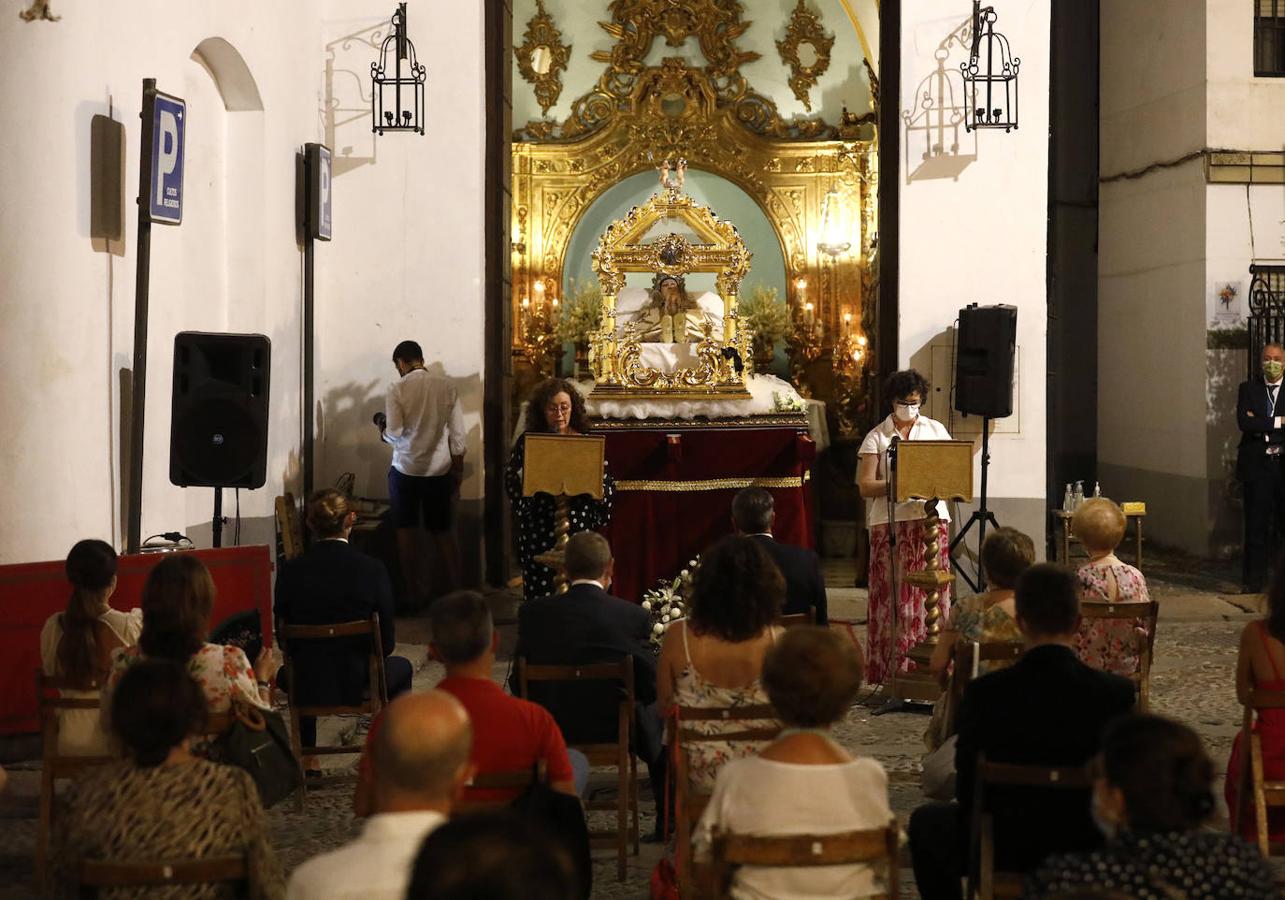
990	76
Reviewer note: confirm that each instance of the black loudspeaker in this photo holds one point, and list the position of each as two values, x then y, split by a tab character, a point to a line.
219	416
984	360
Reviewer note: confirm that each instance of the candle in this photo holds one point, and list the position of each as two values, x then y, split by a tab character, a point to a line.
861	340
847	323
809	311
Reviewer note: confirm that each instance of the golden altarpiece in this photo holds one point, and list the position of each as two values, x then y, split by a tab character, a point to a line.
636	117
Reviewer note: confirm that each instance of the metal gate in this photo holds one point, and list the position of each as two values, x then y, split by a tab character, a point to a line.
1266	320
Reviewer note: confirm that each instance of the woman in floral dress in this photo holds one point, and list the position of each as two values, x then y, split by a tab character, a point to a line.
178	600
1109	644
897	623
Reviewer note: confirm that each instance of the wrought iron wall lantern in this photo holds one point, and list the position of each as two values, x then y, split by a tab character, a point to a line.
397	100
990	76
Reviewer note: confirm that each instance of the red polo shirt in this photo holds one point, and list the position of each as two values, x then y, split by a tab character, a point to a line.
508	734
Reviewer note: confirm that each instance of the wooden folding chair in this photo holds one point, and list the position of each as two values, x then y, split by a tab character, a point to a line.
618	754
793	620
689	804
982	876
968	656
289	527
514	782
93	874
376	696
1253	780
1148	612
875	846
54	766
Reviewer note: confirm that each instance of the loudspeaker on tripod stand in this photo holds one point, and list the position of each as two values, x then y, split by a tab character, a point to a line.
984	354
219	411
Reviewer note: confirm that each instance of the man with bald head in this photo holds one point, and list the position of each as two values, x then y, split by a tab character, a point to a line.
421	764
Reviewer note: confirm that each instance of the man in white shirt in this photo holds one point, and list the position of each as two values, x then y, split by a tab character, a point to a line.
421	764
423	422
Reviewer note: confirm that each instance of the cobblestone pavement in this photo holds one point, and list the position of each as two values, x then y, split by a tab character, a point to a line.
1192	679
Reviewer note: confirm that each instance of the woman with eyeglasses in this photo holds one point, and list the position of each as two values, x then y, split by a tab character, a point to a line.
897	623
555	407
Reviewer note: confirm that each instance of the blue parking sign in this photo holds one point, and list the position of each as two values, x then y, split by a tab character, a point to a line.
165	187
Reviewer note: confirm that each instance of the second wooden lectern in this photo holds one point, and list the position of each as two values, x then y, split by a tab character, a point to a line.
563	466
932	471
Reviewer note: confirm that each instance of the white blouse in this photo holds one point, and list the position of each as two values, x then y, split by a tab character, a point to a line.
765	797
80	732
876	444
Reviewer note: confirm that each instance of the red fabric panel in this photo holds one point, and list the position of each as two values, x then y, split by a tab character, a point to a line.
31	592
655	533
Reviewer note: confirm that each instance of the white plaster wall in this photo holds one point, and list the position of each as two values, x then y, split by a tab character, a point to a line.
68	308
844	82
981	238
1243	112
406	261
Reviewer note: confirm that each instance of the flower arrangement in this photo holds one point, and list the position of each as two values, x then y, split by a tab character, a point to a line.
581	314
1226	294
788	402
667	602
765	316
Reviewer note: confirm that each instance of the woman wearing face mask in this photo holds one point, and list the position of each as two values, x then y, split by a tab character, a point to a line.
1153	794
890	636
555	407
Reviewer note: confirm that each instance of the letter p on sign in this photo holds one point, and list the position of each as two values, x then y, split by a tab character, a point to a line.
169	115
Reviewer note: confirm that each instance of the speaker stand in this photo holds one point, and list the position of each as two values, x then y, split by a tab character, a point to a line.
218	517
980	517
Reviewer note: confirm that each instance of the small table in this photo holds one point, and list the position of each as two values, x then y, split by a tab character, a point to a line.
1063	520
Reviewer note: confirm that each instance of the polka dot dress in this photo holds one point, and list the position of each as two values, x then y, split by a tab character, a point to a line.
535	521
1194	865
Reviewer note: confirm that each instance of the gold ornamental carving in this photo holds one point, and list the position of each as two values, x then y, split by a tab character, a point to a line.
716	247
805	31
542	57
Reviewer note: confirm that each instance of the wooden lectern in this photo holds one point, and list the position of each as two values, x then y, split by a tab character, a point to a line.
932	471
564	466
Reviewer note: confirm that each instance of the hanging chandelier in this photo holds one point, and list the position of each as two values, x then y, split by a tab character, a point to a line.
397	99
990	76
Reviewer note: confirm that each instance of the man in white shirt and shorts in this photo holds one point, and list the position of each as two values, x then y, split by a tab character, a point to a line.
423	422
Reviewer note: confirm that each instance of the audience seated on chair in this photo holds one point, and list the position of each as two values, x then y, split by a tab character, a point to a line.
753	514
1152	795
713	658
162	803
509	734
1111	645
494	855
77	644
1260	666
803	782
333	582
178	598
1047	709
981	618
588	625
420	763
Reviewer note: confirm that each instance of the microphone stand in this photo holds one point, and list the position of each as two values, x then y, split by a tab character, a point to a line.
894	703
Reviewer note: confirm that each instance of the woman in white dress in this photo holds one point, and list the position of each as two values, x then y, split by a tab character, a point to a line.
889	637
77	644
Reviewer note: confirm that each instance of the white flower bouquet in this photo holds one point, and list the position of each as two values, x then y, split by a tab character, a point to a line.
667	602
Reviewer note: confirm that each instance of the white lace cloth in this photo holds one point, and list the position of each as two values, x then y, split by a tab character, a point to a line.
762	402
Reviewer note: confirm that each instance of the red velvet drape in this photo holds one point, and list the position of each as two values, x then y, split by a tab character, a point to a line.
658	527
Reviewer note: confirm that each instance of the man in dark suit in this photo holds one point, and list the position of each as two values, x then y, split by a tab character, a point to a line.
1048	709
334	582
753	513
1259	407
587	625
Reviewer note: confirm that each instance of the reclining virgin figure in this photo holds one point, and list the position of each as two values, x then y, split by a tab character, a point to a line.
670	316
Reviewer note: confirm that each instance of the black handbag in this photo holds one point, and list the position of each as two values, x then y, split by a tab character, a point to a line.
257	742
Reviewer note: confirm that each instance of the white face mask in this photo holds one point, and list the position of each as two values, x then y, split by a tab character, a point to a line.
905	413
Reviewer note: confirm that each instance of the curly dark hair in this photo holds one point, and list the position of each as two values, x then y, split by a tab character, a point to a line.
1163	770
903	384
544	392
737	591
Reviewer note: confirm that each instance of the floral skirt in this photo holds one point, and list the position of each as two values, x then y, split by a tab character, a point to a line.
887	642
